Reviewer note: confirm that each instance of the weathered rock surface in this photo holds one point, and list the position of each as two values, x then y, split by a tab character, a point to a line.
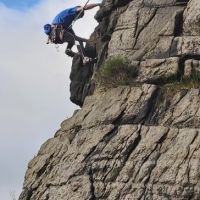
80	85
146	30
109	150
81	73
140	141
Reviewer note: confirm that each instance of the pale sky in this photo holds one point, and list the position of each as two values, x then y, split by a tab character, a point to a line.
34	84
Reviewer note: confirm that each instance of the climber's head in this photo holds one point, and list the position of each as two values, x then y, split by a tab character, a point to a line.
47	28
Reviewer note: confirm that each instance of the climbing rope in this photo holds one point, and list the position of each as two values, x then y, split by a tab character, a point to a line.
71	25
75	19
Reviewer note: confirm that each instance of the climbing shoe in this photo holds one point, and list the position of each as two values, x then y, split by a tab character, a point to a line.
94	60
89	60
69	52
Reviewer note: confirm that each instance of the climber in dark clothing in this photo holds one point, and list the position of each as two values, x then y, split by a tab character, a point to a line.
61	31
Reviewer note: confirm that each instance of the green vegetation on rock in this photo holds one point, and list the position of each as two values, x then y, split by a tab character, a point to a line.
186	83
116	70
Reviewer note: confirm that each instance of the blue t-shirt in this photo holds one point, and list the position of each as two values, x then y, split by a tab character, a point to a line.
66	17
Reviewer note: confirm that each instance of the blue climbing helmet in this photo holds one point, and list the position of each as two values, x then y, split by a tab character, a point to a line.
47	28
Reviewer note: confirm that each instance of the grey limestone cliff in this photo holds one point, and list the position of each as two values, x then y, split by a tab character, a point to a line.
131	142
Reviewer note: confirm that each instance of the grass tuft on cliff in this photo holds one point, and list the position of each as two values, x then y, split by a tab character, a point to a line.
117	70
191	82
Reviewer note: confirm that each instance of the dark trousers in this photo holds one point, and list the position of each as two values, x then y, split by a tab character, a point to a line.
70	38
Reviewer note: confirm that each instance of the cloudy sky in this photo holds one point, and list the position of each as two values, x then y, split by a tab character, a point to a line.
34	83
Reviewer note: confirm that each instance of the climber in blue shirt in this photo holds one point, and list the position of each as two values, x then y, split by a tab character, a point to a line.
67	16
61	31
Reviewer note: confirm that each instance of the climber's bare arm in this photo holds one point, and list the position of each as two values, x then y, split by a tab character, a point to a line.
88	7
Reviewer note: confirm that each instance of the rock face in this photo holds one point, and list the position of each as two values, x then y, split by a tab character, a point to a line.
80	85
139	141
159	33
